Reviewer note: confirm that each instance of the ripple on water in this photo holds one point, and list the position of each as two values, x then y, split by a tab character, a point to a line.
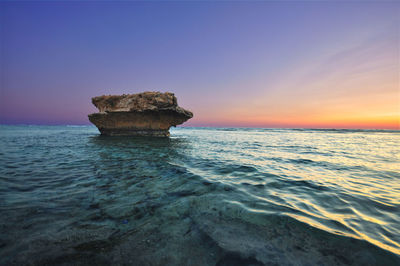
214	197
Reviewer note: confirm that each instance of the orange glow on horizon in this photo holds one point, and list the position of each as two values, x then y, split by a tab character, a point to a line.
390	124
304	120
355	88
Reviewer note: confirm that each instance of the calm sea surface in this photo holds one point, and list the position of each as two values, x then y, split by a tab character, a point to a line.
204	196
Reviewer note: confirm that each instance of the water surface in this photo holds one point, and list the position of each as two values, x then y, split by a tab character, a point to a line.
204	196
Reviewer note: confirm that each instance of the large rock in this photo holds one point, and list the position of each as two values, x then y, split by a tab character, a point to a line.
147	113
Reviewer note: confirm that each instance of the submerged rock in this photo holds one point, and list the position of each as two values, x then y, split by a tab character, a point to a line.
146	114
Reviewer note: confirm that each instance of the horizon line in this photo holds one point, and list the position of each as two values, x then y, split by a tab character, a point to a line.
194	126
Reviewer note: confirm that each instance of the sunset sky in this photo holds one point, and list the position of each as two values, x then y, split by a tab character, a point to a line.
234	64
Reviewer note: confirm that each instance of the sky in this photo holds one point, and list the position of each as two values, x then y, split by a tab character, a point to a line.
291	64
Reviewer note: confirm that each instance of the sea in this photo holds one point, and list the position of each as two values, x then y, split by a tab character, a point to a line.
203	196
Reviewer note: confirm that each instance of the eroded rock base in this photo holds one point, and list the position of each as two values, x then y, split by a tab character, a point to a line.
148	123
133	132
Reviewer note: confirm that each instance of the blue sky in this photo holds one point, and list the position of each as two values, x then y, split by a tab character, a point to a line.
232	63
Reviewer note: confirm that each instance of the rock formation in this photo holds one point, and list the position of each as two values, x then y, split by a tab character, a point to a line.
147	114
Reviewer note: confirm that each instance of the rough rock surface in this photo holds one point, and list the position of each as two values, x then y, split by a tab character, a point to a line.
147	113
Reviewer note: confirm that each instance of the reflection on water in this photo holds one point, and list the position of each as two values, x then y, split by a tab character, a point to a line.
201	197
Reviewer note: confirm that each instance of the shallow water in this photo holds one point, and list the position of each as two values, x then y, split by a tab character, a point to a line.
203	196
